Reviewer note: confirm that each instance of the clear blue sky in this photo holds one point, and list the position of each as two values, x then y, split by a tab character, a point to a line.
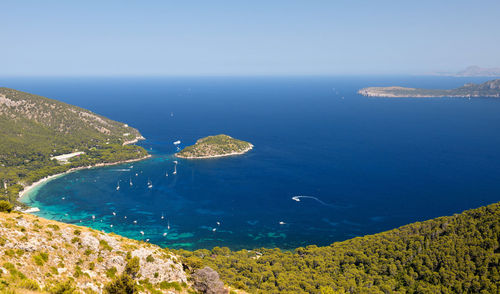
271	37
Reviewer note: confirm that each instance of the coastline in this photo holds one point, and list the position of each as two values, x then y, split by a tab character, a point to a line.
30	187
216	156
137	139
27	189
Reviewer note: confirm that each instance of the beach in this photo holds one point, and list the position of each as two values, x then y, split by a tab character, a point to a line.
26	189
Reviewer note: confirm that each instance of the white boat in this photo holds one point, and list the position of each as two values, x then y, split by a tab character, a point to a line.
177	142
118	186
150	184
131	184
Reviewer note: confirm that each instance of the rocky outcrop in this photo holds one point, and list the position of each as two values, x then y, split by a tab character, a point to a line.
48	252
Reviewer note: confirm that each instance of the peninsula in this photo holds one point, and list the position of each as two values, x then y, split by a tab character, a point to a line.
41	137
487	89
215	146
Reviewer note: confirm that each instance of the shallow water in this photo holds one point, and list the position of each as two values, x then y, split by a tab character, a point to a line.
367	164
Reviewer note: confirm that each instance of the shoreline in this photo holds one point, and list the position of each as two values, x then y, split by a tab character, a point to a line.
215	156
30	187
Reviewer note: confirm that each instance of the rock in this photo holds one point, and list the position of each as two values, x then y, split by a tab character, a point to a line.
115	261
206	280
166	269
23	223
29	246
89	241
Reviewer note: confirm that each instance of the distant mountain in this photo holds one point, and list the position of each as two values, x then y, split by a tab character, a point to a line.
476	71
487	89
473	71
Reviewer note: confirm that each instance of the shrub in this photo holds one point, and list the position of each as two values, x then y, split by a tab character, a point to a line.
29	285
172	285
125	284
5	206
40	258
63	288
150	258
111	272
54	227
104	245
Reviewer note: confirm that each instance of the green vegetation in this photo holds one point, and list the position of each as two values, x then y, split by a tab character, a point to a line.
66	287
453	254
5	206
487	89
215	146
41	258
125	284
34	129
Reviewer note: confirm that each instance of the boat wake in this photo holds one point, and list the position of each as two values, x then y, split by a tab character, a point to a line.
297	198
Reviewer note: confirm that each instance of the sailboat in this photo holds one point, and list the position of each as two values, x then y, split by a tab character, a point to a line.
175	167
150	184
131	184
166	174
118	186
168	225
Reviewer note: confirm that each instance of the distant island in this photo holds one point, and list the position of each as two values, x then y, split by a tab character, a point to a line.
215	146
487	89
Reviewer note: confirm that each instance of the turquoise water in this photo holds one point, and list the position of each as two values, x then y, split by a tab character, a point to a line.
367	165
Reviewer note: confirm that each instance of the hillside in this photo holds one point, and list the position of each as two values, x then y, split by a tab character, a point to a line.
39	254
452	254
487	89
215	146
34	129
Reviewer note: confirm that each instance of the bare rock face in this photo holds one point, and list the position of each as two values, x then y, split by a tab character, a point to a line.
157	266
206	280
89	241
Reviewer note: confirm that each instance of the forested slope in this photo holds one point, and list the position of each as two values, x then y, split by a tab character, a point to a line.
452	254
33	129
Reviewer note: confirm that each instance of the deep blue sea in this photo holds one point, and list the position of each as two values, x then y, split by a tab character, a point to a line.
368	164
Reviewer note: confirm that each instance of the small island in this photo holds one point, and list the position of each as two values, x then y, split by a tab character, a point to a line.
215	146
487	89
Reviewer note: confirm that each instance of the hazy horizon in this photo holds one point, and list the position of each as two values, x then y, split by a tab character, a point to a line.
221	38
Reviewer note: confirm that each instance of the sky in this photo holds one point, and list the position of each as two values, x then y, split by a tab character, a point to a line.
232	37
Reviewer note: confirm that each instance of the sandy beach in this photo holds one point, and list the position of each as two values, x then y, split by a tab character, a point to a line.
26	189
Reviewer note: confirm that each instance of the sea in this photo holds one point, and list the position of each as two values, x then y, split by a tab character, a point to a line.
328	164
